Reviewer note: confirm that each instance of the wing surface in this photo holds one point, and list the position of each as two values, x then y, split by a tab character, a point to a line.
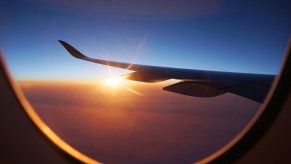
199	83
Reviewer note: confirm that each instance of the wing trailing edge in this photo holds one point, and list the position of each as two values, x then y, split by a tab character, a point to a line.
252	91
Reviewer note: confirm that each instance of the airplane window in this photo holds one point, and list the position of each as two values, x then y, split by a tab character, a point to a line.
145	81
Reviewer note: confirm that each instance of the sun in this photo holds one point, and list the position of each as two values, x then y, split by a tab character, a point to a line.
114	81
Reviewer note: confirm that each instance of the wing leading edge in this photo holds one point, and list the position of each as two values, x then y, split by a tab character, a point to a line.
198	83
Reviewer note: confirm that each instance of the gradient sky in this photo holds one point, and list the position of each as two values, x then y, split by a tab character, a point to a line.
225	35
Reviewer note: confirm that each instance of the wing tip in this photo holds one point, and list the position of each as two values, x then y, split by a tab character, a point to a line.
74	52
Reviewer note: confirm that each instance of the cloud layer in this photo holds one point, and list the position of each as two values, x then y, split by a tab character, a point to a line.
118	126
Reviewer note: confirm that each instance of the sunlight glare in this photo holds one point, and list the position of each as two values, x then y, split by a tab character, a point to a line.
114	82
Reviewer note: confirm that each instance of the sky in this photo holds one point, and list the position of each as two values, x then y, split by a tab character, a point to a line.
223	35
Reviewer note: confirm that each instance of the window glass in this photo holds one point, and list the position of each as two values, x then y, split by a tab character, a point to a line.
117	120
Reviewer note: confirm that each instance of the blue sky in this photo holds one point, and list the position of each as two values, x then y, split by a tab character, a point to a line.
224	35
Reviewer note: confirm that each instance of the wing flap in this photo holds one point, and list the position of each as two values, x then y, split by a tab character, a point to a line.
252	91
248	89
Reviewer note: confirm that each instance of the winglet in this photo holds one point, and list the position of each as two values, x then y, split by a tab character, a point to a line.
72	50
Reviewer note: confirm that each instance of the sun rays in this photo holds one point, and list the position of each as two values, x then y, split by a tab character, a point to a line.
133	91
117	83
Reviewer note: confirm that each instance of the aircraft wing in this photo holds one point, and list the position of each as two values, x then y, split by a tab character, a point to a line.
198	83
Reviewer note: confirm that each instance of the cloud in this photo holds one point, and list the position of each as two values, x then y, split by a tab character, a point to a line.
122	127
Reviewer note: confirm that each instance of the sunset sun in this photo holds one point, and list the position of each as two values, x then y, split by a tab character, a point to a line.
114	81
117	83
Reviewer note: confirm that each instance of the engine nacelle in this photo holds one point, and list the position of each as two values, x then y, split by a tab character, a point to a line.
144	77
193	89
